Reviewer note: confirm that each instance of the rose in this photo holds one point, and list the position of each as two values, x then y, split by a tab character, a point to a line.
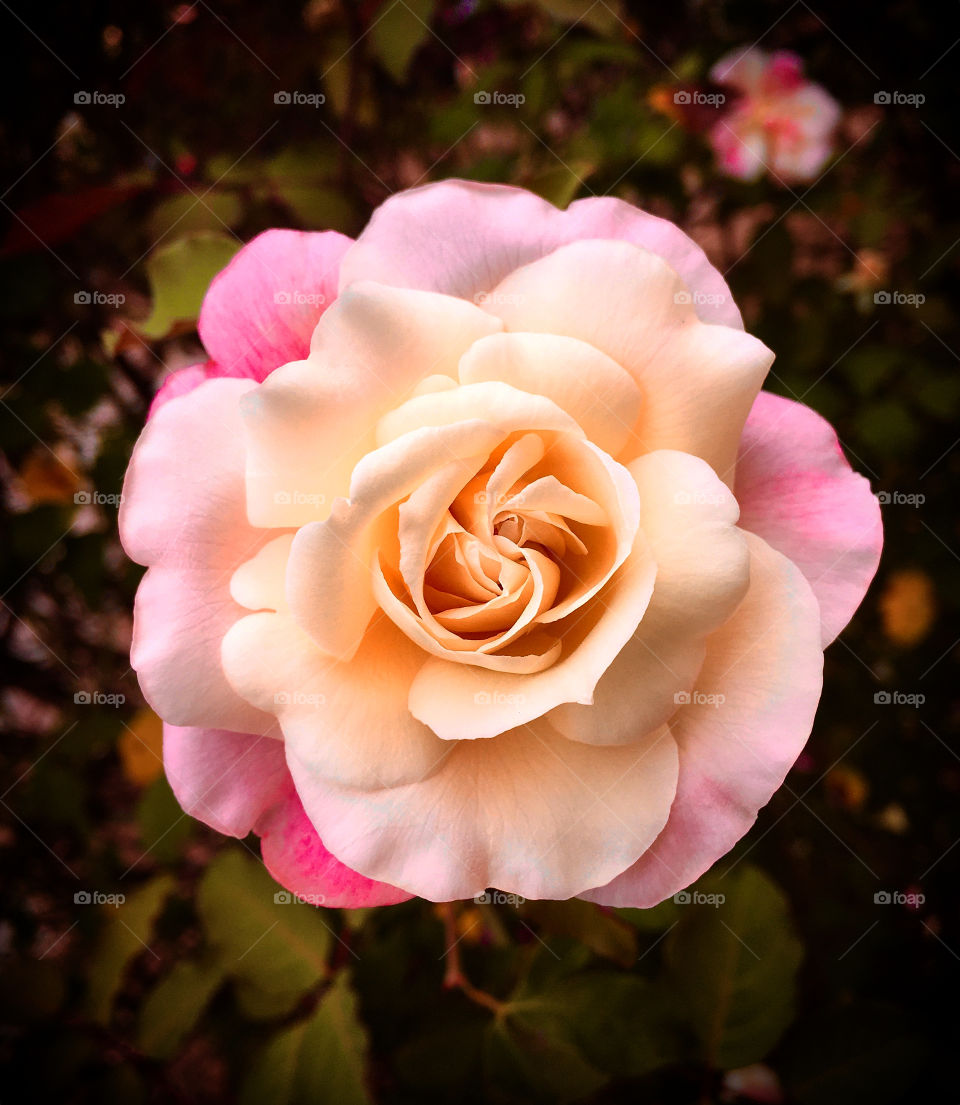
780	122
446	588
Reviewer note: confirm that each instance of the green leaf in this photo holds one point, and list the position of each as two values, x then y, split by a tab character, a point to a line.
179	275
164	828
274	948
606	18
733	967
400	28
317	1061
185	214
176	1004
603	933
638	1032
125	935
657	919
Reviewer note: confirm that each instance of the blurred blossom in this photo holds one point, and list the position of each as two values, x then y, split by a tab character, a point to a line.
780	122
753	1083
871	270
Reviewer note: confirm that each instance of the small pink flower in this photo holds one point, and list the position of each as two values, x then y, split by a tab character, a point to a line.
779	122
477	557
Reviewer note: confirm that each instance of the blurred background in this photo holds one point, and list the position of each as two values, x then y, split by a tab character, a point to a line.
143	958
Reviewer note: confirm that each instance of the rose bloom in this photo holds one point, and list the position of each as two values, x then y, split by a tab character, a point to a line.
779	121
477	558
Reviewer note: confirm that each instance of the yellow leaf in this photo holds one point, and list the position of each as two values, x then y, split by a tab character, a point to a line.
141	747
48	478
908	607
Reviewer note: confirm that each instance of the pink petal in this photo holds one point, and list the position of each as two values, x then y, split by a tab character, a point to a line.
260	311
295	856
767	662
797	491
463	238
181	382
227	780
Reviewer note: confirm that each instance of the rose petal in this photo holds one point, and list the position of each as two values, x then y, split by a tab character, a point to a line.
183	513
797	491
528	812
462	238
313	420
461	702
698	381
767	662
294	854
689	518
589	386
226	780
260	311
336	717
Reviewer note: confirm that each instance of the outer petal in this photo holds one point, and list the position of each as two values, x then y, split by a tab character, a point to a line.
181	382
528	812
743	69
698	381
183	514
227	780
238	783
260	311
740	145
295	856
768	664
463	238
797	491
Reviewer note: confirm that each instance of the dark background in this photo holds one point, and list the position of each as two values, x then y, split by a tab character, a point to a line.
834	958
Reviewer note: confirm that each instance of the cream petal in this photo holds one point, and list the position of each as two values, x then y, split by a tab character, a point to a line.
591	387
311	421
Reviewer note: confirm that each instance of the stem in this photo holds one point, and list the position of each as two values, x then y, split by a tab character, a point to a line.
453	977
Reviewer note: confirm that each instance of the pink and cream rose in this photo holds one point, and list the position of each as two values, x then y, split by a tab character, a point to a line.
779	123
477	557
